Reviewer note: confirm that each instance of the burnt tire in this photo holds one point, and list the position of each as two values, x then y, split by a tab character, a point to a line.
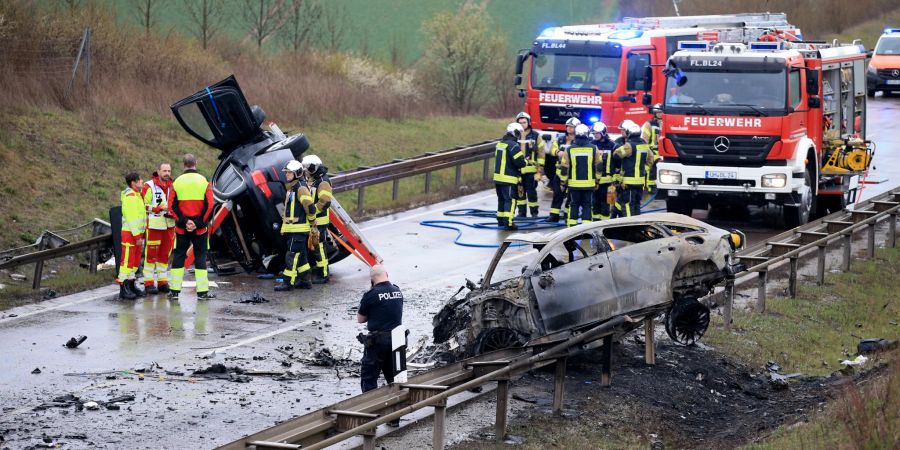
687	321
497	339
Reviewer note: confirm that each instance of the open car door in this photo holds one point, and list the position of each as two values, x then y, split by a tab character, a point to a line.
219	116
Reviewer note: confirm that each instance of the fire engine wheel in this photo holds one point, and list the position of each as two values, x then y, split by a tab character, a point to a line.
794	216
687	321
497	339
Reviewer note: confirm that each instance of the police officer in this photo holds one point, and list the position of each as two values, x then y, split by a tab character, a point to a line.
299	213
600	210
191	205
560	145
650	133
533	170
578	170
317	177
630	162
508	163
381	309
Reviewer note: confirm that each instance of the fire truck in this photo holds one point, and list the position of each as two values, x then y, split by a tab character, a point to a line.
773	122
604	72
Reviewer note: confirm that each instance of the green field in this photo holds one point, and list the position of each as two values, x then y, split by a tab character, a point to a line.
375	25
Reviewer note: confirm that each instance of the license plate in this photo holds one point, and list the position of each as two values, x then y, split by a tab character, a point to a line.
721	175
893	81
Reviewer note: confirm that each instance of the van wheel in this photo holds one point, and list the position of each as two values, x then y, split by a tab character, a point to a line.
794	216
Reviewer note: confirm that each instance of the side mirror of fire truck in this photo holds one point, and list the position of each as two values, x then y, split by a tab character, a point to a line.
814	102
648	78
647	99
812	82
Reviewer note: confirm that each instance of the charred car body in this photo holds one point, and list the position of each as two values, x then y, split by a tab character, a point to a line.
249	173
585	275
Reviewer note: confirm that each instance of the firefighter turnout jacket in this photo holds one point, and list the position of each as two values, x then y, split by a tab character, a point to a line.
533	150
322	197
299	210
580	165
509	161
631	156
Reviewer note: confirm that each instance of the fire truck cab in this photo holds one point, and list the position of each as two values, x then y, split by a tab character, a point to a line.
605	72
773	122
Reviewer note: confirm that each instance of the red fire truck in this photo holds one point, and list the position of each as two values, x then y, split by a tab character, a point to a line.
775	122
600	72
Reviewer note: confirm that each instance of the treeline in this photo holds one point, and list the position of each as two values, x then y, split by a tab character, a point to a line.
816	18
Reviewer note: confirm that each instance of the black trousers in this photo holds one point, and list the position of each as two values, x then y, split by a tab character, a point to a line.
375	361
559	195
581	205
601	204
529	200
296	256
506	194
182	243
628	200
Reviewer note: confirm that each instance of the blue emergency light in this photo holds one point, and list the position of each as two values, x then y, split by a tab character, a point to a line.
693	45
626	34
593	119
891	30
765	46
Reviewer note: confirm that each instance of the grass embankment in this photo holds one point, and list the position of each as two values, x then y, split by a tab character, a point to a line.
871	30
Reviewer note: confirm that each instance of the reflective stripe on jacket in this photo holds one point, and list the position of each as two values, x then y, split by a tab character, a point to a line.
134	216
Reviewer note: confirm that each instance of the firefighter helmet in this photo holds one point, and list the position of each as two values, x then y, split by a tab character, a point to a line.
573	122
599	127
524	115
293	166
582	130
514	128
630	128
311	163
657	108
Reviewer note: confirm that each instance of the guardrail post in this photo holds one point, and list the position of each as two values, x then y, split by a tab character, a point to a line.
458	175
95	253
847	242
360	199
871	246
395	189
427	182
792	282
559	385
729	302
606	363
821	272
486	170
649	344
502	410
892	230
369	440
440	413
761	291
39	266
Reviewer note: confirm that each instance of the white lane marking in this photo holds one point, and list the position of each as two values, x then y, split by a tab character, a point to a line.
99	296
263	336
415	216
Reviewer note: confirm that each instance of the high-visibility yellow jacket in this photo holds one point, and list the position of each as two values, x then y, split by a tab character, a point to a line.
533	150
299	210
322	198
579	165
134	216
156	197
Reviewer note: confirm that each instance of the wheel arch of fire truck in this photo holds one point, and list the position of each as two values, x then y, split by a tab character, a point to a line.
807	154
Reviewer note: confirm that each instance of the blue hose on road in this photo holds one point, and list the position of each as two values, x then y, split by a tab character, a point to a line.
524	223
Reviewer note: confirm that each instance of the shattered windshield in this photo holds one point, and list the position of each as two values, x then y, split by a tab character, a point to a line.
724	93
575	72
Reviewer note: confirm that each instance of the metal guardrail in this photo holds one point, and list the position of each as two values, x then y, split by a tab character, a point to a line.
362	414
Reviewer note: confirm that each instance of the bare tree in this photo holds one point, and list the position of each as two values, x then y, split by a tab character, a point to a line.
333	26
395	52
299	32
145	11
207	17
266	17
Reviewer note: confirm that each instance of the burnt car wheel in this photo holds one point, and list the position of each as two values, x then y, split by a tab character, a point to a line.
497	339
687	321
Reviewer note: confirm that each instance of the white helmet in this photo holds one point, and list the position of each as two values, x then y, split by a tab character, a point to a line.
311	163
573	122
293	166
599	127
629	128
582	130
523	115
514	128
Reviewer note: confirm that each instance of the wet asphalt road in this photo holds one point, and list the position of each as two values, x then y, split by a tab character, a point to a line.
172	411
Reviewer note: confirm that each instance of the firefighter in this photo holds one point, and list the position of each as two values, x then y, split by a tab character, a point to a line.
526	200
560	145
134	223
160	230
650	133
629	163
508	163
299	214
600	207
320	184
578	174
381	309
191	205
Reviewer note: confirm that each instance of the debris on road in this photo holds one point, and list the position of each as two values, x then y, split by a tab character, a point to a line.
867	346
220	372
91	406
858	361
254	297
75	341
36	370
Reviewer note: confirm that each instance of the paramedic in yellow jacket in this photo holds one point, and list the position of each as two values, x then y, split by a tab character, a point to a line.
134	225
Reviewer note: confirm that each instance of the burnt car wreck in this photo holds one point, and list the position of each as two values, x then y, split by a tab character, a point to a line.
249	179
585	275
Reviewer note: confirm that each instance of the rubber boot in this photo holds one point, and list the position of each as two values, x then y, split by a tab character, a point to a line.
553	218
523	212
318	278
303	281
137	291
125	293
534	211
205	295
151	290
163	288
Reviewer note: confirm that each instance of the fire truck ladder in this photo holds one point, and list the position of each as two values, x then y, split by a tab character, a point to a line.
711	21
